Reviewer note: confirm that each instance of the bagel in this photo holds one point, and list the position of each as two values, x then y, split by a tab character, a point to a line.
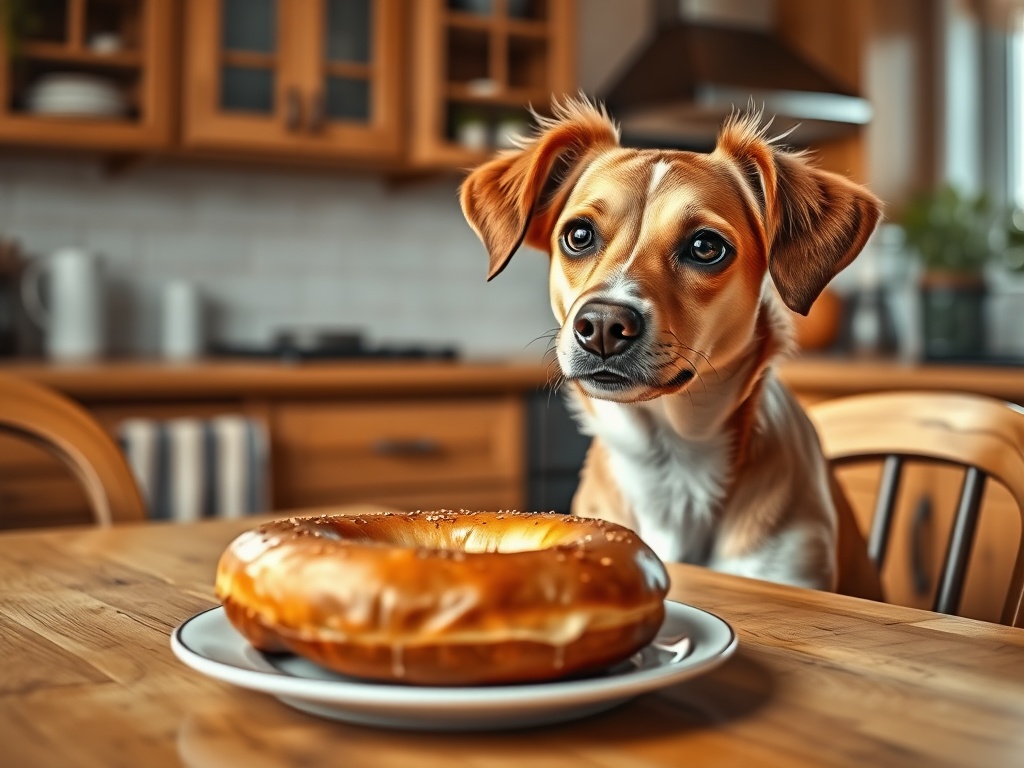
445	598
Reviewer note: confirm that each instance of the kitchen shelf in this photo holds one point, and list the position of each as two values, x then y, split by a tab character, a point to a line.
507	97
249	60
479	22
349	69
61	54
527	28
139	69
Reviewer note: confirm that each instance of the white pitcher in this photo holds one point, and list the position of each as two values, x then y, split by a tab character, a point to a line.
72	318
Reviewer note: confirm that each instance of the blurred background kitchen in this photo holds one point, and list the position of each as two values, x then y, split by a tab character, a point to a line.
215	209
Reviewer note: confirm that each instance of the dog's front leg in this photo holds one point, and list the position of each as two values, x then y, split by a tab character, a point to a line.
597	494
801	555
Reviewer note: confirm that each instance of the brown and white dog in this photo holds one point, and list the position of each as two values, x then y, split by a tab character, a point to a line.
666	272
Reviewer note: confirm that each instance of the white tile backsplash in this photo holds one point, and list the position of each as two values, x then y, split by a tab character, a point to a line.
273	248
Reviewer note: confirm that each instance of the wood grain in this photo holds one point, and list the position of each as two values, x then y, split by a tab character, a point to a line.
154	381
89	678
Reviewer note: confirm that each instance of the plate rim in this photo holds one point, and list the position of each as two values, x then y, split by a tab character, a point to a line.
558	693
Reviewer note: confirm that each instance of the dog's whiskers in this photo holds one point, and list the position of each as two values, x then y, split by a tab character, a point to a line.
549	335
680	345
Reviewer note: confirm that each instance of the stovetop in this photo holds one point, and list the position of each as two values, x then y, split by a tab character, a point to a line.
292	353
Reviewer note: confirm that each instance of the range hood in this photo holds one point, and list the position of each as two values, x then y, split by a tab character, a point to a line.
700	65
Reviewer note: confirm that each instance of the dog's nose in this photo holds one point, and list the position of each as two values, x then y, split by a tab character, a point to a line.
607	329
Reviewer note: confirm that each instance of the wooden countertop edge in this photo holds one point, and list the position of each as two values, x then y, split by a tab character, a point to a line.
231	379
840	377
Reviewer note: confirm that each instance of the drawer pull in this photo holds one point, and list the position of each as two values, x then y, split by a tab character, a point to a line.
420	446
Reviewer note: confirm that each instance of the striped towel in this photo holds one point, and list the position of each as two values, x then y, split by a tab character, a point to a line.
189	469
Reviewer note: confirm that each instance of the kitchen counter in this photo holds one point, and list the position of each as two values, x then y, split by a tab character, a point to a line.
834	377
215	378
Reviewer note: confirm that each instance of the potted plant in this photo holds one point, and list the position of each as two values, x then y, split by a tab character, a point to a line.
955	237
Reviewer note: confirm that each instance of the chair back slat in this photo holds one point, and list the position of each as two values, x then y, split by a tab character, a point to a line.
961	540
885	506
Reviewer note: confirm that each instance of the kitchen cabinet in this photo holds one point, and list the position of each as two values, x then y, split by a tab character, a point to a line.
378	84
404	436
88	74
315	79
835	36
479	65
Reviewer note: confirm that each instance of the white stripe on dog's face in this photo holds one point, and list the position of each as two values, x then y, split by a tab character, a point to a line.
659	168
658	172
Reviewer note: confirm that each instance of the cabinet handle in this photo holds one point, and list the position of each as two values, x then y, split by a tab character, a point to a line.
317	112
418	446
292	110
918	568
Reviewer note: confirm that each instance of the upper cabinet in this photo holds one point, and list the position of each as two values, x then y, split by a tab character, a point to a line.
396	85
479	66
87	74
293	78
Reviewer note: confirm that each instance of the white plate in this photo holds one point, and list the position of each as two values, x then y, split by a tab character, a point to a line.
209	644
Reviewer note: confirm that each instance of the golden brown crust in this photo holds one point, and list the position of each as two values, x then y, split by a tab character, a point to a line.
445	598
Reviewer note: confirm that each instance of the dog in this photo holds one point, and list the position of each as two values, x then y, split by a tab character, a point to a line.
673	276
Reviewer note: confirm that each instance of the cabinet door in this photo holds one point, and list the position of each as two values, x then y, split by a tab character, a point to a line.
241	88
89	75
479	65
351	77
293	78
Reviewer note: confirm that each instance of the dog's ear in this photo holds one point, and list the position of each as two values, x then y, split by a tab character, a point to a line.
816	222
516	197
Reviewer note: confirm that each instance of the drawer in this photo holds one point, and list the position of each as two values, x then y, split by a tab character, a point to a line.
343	451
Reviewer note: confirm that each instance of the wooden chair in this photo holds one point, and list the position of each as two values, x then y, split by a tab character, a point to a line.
65	429
983	435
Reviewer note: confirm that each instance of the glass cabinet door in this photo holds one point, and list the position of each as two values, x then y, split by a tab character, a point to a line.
353	100
240	87
311	78
347	60
248	59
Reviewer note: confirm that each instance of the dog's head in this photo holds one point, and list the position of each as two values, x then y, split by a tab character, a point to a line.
659	258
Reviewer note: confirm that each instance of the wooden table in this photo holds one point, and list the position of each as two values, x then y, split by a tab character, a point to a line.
87	678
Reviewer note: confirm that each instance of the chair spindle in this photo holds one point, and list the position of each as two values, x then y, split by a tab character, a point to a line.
954	568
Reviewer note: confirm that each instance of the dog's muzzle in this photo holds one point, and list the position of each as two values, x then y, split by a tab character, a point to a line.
605	329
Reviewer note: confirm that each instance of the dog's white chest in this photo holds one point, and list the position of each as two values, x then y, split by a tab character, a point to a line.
673	485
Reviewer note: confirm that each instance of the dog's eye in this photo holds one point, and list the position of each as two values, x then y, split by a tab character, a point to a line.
707	247
578	237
